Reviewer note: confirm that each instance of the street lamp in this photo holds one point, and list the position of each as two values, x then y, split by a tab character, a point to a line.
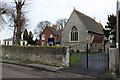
117	62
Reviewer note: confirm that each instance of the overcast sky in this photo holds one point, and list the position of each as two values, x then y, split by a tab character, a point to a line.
52	10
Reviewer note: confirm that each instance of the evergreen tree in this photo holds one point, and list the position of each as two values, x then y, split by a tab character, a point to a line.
110	28
30	39
34	42
25	35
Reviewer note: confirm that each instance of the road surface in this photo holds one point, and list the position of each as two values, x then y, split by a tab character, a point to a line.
16	71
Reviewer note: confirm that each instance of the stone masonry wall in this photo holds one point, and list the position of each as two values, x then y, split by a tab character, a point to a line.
112	53
46	55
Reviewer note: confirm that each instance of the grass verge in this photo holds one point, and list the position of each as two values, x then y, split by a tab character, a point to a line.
74	59
88	53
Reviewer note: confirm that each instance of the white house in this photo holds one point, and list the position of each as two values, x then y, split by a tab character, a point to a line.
10	40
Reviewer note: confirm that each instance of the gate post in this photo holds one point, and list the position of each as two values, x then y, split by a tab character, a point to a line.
87	53
66	56
108	58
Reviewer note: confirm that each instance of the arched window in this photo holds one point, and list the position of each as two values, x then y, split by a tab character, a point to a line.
43	37
74	34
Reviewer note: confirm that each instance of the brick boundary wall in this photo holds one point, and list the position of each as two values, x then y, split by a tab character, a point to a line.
58	56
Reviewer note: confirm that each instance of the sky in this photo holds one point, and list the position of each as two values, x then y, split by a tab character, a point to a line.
52	10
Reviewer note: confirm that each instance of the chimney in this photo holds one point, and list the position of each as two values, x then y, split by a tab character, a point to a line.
46	25
94	18
55	26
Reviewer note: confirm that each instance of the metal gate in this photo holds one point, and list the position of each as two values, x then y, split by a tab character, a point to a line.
90	58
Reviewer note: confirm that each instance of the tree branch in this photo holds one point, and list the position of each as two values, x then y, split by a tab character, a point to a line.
23	2
15	2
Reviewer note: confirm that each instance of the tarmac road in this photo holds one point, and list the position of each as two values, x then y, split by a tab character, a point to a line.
16	71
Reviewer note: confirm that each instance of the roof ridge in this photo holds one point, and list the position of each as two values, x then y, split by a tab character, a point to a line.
51	27
101	26
84	14
89	23
53	31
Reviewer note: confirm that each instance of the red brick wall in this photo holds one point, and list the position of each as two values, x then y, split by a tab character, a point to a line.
47	34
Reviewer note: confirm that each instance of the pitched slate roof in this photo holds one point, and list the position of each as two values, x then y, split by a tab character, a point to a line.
90	24
97	39
59	39
54	31
100	25
10	39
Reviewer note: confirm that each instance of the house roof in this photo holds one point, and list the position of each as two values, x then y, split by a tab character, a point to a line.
54	31
54	26
90	24
97	39
10	39
100	25
59	39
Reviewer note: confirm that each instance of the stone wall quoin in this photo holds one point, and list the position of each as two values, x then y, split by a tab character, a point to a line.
44	55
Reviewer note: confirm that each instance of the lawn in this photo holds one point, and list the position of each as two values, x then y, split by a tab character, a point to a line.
74	59
88	53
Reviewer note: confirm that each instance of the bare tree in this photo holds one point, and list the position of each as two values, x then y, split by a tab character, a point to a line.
8	11
11	13
61	23
13	19
19	5
40	27
2	12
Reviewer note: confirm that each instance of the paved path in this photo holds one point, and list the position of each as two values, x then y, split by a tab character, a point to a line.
88	72
42	66
97	63
16	71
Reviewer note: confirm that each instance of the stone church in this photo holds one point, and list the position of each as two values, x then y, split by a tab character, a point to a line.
81	29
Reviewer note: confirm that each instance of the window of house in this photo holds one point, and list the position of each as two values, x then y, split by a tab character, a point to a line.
5	42
74	34
51	36
23	43
43	37
8	43
42	43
